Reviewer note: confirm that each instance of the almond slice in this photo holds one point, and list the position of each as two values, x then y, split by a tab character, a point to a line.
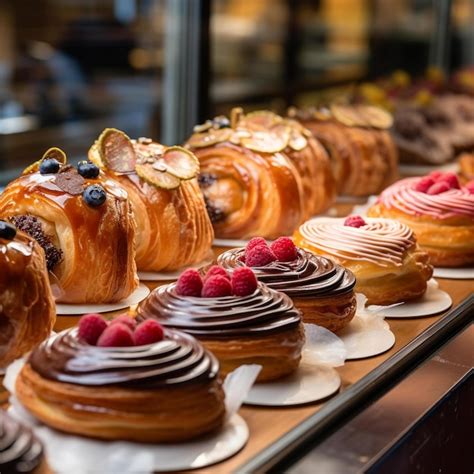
160	179
116	151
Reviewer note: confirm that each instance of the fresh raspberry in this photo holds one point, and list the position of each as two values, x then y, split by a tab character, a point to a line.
424	184
254	243
284	249
216	286
216	270
436	175
189	283
125	319
148	332
354	221
244	281
116	335
260	256
438	188
451	179
91	326
470	187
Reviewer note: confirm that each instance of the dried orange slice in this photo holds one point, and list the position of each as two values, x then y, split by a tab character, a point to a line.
264	142
116	151
203	140
181	163
297	141
54	152
375	116
348	115
263	119
160	179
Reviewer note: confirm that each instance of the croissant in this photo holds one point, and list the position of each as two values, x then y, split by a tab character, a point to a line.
250	186
27	312
363	155
307	154
84	223
173	227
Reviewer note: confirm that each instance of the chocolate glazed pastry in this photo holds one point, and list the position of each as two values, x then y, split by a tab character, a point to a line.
262	328
20	450
163	392
322	290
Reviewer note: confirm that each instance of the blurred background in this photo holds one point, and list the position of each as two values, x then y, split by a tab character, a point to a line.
69	68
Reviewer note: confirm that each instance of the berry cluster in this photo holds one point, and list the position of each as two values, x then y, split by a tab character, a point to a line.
258	253
354	221
122	331
216	283
437	182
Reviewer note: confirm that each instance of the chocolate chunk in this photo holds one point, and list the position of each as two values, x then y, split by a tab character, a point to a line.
32	226
70	181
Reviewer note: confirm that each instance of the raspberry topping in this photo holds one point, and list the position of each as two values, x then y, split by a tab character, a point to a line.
244	281
148	332
216	286
91	326
451	179
436	175
438	188
254	243
189	283
116	335
470	187
125	319
354	221
260	256
424	184
284	249
216	270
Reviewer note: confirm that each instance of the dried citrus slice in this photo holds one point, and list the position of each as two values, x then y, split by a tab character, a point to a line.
181	162
297	141
54	153
375	116
203	140
116	151
263	119
348	115
264	142
160	179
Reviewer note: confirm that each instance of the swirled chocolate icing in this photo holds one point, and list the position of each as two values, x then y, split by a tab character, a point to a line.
20	451
177	359
307	276
263	312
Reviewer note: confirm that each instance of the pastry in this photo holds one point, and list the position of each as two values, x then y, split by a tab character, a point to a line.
27	311
173	227
241	322
20	450
382	253
250	186
84	223
466	165
362	153
148	386
439	210
322	290
306	153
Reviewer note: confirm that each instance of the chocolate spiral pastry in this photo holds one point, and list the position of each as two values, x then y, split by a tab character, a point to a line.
20	450
322	290
163	392
262	328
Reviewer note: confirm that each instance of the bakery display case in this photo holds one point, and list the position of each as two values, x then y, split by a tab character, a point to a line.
236	236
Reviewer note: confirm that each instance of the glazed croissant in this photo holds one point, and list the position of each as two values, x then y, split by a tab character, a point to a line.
84	224
250	186
27	312
173	227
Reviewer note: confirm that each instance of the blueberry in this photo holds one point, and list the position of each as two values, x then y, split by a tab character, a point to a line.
7	231
87	169
221	122
94	195
49	166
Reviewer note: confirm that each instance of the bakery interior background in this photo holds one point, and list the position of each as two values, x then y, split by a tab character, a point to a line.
70	68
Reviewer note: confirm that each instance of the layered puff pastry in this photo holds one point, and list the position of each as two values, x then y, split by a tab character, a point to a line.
363	154
173	227
250	186
83	222
167	391
261	328
27	310
382	253
441	216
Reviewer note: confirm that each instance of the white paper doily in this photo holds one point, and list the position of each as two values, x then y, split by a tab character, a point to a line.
174	275
454	273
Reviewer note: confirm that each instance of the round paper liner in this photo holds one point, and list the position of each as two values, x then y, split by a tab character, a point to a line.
70	309
363	339
454	273
230	243
434	301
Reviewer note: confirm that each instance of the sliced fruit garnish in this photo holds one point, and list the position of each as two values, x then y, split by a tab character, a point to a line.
116	151
54	152
181	162
264	142
263	119
202	140
203	127
348	115
375	116
297	141
322	114
160	179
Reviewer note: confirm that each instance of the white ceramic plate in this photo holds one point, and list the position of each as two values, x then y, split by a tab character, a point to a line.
70	309
454	273
166	276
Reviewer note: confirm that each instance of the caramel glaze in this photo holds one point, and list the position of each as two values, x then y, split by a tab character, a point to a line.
308	276
20	451
177	359
262	313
